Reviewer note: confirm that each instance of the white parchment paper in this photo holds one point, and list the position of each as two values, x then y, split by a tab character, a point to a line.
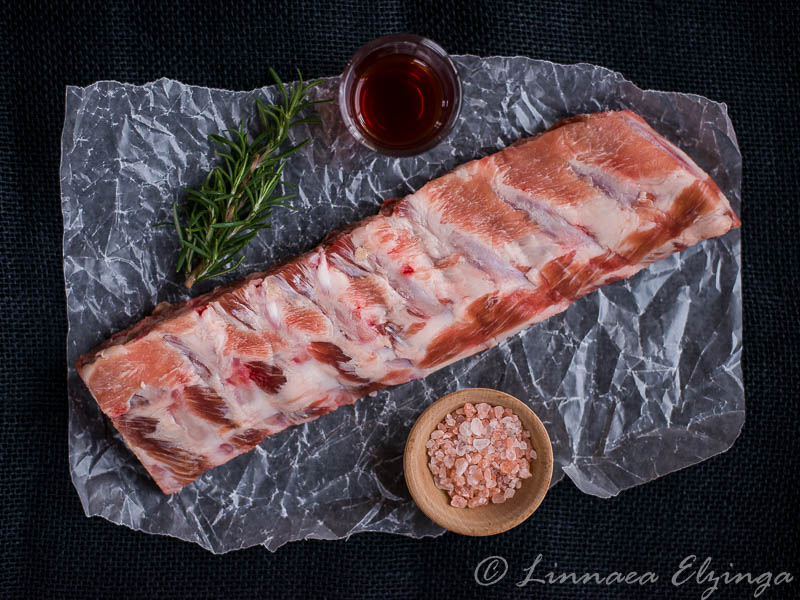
632	382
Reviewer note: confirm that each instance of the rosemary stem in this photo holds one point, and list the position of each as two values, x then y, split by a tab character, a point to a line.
193	275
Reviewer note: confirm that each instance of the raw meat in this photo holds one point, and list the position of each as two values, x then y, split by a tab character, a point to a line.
470	259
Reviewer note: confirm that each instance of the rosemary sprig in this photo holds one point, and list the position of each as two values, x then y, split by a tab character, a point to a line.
238	196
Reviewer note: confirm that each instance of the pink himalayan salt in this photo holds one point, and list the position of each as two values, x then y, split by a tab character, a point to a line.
458	501
474	470
476	426
480	444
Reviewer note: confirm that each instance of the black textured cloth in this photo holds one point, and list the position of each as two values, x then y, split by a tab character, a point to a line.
738	508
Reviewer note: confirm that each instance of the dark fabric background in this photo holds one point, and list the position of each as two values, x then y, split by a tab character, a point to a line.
739	508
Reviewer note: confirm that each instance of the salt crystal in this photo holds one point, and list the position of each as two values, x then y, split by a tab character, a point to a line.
498	411
474	458
429	444
480	443
458	501
533	454
465	430
449	420
498	498
483	410
509	493
436	434
476	426
449	461
469	410
461	466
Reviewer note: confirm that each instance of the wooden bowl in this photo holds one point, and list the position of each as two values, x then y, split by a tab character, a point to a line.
491	518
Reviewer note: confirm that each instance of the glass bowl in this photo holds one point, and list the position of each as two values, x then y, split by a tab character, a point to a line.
440	66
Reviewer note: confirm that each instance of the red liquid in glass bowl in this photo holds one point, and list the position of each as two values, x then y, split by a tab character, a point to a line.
400	95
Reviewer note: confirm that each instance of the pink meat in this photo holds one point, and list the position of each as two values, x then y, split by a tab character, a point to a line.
468	260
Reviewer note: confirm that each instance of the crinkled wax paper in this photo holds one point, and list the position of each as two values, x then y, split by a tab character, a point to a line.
632	382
